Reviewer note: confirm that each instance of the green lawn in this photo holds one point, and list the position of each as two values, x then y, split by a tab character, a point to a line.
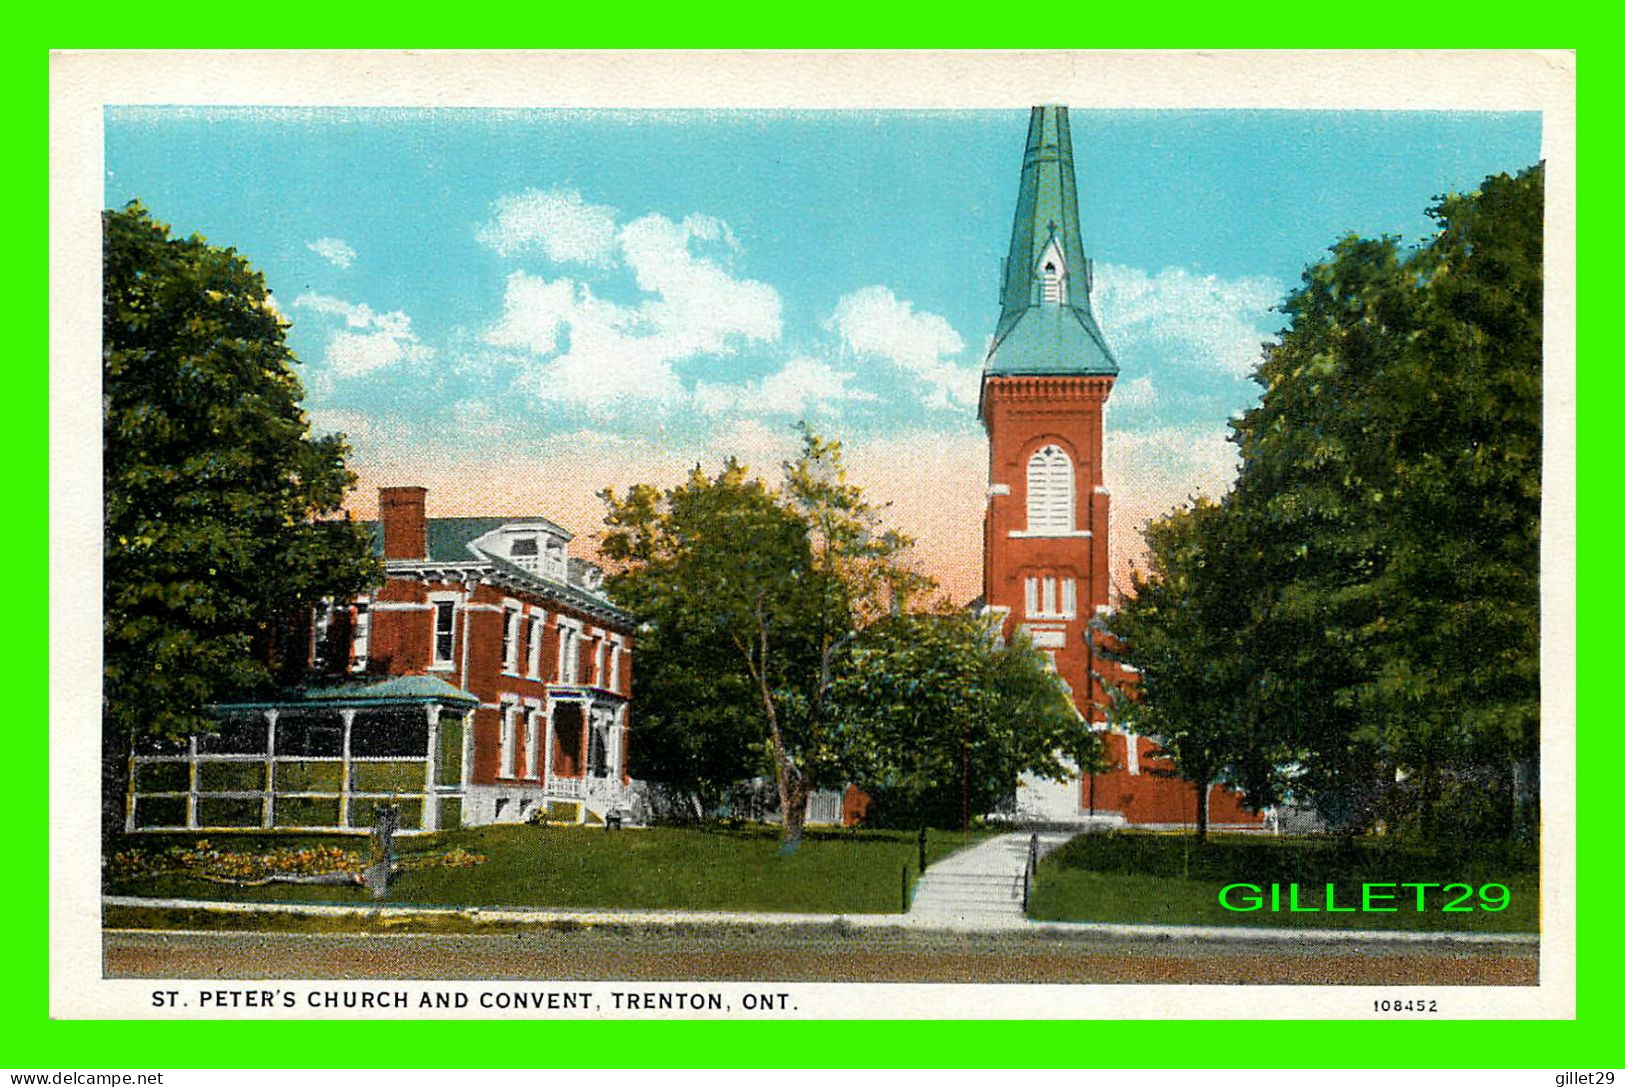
1165	879
834	871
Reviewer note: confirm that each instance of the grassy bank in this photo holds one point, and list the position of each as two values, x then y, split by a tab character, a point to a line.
1167	879
834	871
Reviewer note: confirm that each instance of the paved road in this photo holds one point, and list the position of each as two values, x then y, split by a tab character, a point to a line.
801	953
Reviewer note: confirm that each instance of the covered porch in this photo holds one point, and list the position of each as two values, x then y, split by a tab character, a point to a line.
313	759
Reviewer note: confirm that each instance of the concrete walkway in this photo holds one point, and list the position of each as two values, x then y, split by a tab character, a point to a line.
980	888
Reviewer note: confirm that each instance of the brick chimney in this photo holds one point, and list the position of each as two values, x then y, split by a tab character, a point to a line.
406	528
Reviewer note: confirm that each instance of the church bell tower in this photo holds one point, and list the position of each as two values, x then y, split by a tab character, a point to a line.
1044	389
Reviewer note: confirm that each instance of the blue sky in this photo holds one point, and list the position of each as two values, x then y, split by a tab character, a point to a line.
520	307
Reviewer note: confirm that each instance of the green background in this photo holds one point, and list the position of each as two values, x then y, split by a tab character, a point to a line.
34	1041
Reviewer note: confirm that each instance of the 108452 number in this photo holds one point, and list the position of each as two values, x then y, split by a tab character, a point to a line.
1423	1006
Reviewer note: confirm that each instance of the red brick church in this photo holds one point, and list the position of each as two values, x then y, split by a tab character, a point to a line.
1046	543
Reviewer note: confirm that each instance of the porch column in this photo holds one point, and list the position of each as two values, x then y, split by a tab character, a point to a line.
431	769
547	745
613	746
268	813
348	716
586	743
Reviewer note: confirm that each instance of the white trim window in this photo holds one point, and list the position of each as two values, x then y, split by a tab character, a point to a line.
360	634
1050	492
509	712
533	741
1051	597
511	617
443	651
615	650
600	658
569	652
538	624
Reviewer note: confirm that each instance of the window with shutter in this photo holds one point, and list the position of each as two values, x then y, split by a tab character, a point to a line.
1049	491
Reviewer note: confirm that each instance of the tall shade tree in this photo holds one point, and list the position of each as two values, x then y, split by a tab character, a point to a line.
218	535
780	578
1393	469
1185	629
943	717
1368	595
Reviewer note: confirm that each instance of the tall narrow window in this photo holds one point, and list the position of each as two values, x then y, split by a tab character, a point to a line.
510	640
509	712
533	666
533	730
569	650
1069	598
1049	491
445	626
1032	596
614	683
360	635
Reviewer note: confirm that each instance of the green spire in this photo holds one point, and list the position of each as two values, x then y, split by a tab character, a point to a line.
1045	325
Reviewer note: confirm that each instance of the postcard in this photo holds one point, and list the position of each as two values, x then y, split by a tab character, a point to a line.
840	535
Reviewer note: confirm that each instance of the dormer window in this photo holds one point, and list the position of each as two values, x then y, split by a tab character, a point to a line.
1052	273
523	547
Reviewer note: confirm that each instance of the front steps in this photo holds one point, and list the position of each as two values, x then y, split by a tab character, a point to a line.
980	887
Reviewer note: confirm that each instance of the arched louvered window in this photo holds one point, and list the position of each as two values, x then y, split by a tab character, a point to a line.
1049	491
1052	273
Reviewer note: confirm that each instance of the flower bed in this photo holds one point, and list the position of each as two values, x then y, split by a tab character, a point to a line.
316	864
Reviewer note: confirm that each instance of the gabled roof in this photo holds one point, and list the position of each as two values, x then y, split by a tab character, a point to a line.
1033	337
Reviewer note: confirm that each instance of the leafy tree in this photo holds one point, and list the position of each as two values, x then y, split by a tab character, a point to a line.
1366	599
215	492
1186	631
1393	471
781	579
943	717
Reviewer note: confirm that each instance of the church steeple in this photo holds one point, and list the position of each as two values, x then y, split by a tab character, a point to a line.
1045	323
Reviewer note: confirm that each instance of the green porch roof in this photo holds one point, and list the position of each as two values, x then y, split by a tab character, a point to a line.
393	690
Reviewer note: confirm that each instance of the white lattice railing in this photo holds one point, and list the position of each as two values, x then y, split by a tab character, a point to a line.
604	790
566	787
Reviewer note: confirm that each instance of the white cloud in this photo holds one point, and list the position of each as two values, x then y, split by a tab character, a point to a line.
556	221
1185	319
802	385
1136	393
593	352
699	304
335	251
370	340
533	311
874	321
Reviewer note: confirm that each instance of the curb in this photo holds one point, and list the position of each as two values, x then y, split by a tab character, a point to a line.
893	921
